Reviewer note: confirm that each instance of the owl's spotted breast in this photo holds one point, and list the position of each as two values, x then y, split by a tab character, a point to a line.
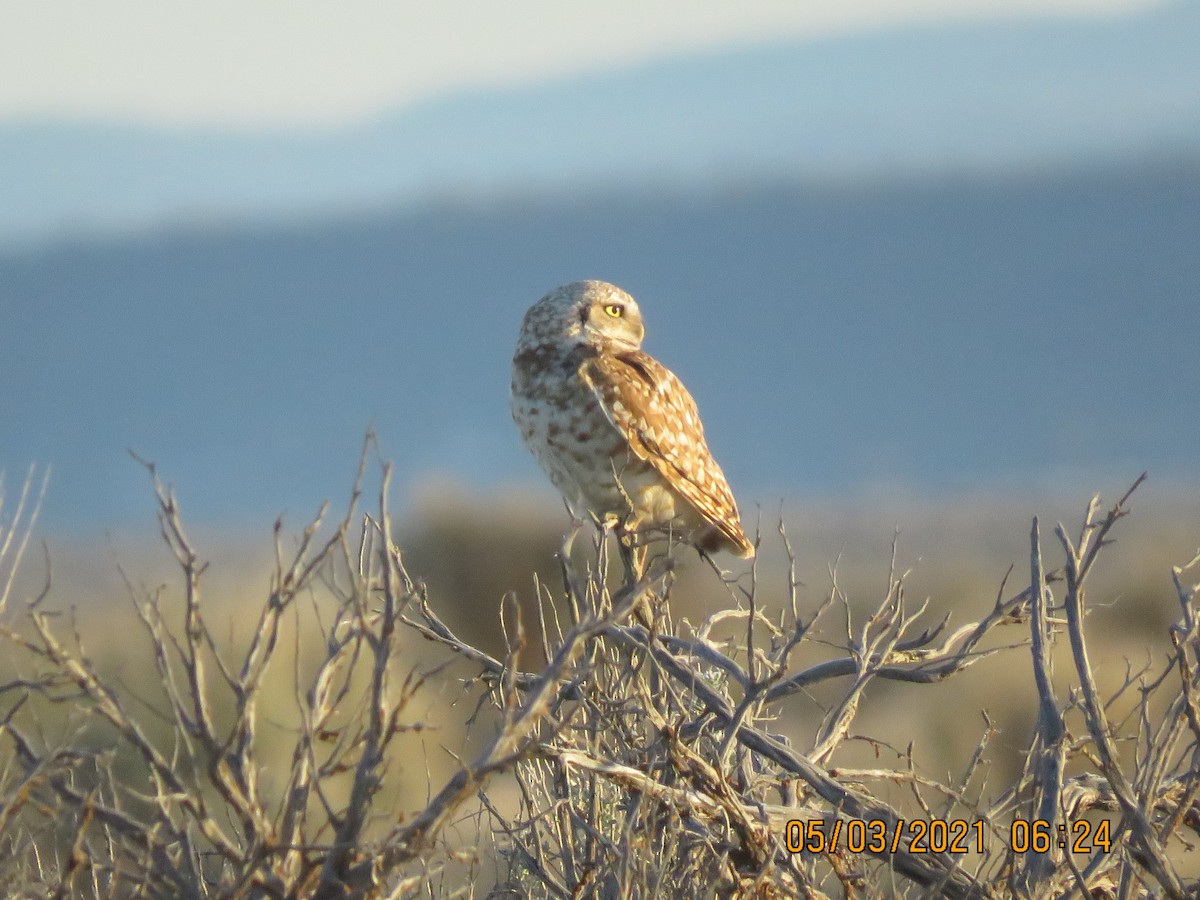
615	430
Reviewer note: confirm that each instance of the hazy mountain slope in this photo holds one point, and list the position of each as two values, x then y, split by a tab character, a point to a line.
924	99
930	334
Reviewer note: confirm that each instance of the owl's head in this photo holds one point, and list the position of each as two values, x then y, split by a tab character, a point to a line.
594	313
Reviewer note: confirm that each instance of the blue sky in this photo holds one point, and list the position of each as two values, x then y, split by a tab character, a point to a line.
254	64
181	182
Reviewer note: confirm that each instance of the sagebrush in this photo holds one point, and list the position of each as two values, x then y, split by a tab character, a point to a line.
616	750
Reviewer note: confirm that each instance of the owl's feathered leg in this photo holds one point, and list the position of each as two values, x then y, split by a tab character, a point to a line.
633	562
633	557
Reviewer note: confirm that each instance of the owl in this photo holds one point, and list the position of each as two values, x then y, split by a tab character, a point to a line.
616	431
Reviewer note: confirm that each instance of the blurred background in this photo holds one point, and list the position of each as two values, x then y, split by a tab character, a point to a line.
921	246
906	255
931	265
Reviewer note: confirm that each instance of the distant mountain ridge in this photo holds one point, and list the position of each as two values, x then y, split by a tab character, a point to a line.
932	334
916	99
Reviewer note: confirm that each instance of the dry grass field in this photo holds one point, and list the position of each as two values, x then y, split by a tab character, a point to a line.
447	701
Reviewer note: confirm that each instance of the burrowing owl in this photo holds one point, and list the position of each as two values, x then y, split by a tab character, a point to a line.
616	431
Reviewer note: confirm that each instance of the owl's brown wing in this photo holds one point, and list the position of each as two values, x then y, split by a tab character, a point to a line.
656	414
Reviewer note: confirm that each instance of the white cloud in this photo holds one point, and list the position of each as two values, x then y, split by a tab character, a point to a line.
249	63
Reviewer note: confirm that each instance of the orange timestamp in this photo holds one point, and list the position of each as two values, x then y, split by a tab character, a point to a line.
1080	836
878	836
882	836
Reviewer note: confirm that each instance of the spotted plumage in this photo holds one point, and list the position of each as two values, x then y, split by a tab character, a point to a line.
616	431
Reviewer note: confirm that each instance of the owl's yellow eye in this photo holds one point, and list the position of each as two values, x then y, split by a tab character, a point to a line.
616	310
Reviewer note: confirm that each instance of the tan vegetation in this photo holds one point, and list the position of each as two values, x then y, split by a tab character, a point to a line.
343	728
